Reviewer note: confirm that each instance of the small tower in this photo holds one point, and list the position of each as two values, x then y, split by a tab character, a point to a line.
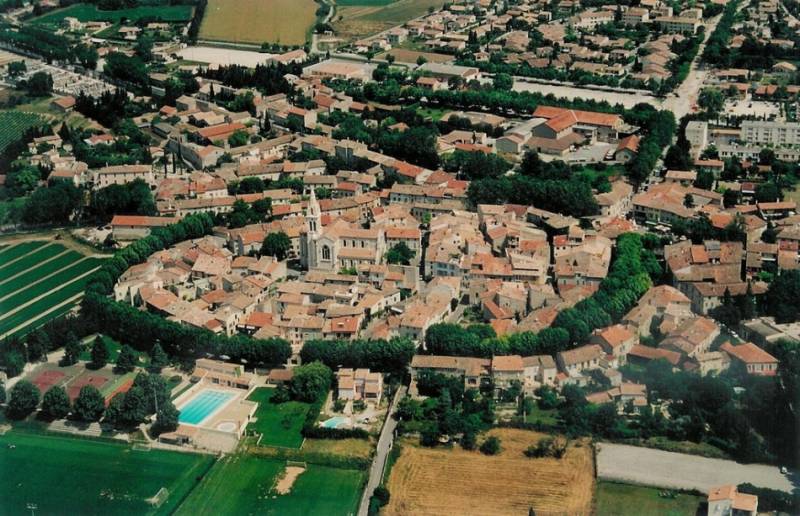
313	215
309	245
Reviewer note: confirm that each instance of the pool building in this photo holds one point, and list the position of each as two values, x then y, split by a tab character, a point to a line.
214	411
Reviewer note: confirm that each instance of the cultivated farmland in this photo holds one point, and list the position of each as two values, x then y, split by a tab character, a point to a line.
40	280
14	124
65	475
242	484
362	18
288	22
89	12
427	481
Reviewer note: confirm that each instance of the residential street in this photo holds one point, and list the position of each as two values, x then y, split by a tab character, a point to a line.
646	466
381	453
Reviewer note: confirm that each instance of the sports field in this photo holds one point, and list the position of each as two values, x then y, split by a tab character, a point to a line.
363	18
40	280
625	500
243	484
89	12
279	424
66	475
428	481
288	22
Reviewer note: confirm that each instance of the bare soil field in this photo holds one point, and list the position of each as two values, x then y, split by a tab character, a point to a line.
255	21
354	22
427	481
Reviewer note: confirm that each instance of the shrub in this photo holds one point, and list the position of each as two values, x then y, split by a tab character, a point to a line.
491	446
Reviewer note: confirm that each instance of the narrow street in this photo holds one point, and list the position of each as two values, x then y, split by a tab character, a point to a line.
385	442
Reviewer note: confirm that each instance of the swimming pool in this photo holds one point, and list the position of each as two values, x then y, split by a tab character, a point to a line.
205	403
334	422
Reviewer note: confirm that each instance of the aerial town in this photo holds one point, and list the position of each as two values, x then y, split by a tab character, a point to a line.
400	257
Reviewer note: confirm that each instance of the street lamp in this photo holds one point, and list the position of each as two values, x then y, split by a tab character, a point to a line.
32	507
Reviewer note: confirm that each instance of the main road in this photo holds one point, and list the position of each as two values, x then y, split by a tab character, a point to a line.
385	442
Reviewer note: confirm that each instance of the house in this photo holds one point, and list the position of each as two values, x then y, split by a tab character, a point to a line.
574	361
757	361
624	395
472	370
616	340
134	227
64	104
627	149
507	370
692	337
539	370
359	384
728	501
222	373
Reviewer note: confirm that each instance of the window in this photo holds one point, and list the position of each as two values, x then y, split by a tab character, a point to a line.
326	253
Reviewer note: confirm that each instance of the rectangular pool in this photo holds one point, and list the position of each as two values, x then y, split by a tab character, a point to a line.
205	403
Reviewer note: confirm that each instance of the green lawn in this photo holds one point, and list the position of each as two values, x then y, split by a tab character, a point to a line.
37	272
545	417
89	12
614	499
279	424
66	475
242	484
112	346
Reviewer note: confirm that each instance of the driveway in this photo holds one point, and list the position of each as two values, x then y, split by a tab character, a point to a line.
646	466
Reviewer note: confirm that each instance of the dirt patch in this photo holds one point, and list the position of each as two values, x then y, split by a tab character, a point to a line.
286	481
454	481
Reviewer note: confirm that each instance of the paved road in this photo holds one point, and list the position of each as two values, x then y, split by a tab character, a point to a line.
381	453
658	468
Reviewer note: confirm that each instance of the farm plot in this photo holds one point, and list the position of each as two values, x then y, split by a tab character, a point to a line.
32	313
65	475
427	481
14	125
288	22
355	21
39	281
89	12
242	484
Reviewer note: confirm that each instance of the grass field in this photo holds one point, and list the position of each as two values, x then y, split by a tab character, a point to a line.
545	417
38	268
427	481
614	499
242	484
280	424
65	475
345	3
14	125
288	22
89	12
363	19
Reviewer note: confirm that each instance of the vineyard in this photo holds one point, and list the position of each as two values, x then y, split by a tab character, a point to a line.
429	481
14	124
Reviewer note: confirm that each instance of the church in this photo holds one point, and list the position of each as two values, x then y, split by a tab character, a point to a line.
339	245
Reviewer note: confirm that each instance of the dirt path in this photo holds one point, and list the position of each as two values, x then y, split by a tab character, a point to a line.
286	482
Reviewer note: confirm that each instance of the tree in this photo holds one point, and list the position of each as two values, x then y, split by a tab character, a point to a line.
2	392
38	344
40	84
688	200
238	138
53	204
781	298
144	47
158	359
99	353
310	382
55	403
400	253
72	350
711	100
23	399
503	82
276	244
126	360
90	404
17	68
491	446
166	419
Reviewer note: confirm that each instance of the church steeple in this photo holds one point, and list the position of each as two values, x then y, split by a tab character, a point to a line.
313	215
